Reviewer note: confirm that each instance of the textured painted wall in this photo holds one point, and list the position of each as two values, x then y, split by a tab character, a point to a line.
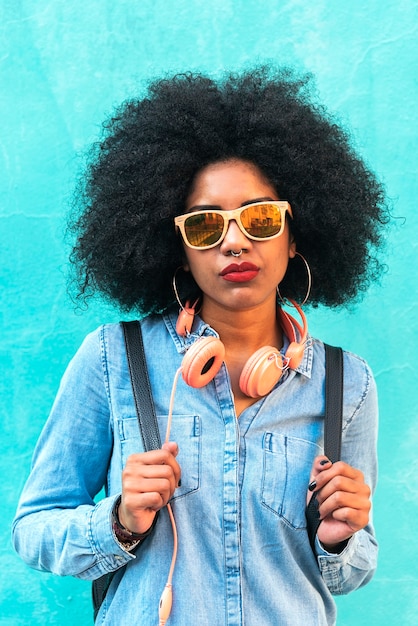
63	66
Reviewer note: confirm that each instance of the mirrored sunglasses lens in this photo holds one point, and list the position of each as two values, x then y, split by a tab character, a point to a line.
204	229
262	220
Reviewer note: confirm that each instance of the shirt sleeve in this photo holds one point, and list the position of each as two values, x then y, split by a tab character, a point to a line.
58	525
356	564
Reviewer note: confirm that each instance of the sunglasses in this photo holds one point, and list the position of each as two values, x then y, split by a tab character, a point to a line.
202	230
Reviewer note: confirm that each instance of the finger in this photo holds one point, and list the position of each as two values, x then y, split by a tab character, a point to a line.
356	519
320	463
359	506
133	504
163	483
148	478
137	463
172	447
152	457
149	495
331	472
341	484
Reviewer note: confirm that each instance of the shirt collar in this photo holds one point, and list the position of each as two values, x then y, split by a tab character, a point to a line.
201	329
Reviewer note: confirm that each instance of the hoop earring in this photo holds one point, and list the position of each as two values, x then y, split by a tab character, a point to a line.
186	316
308	291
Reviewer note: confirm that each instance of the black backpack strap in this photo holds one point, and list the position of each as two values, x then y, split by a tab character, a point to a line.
334	379
147	420
141	387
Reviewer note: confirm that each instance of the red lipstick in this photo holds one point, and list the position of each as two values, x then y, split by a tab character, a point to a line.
239	272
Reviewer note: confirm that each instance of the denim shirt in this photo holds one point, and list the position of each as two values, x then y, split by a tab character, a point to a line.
244	556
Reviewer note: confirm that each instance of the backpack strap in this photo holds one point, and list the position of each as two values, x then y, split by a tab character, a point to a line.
334	378
147	420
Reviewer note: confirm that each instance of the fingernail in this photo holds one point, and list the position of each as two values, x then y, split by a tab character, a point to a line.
312	485
324	461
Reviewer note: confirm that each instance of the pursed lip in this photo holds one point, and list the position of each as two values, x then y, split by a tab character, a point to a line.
239	267
239	272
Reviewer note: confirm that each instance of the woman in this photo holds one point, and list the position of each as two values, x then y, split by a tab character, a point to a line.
228	197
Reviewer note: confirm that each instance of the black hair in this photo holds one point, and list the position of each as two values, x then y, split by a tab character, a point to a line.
140	174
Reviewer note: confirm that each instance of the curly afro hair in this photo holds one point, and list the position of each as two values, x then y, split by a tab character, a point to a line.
141	172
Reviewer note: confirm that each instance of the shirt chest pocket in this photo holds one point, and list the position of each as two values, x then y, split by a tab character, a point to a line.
287	463
185	431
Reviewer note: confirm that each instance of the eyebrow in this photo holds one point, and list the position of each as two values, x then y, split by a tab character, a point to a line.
217	207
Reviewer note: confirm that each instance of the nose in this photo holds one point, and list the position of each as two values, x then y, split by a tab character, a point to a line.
234	239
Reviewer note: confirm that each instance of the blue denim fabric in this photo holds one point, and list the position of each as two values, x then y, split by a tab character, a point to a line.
244	555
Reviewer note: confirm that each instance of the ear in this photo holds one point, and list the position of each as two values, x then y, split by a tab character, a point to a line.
292	249
184	261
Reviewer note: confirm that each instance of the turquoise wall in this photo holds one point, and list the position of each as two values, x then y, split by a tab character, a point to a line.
64	65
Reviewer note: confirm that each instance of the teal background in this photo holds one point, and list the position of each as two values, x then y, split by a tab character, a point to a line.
64	65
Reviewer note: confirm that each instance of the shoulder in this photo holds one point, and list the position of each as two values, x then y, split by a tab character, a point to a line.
98	341
111	336
356	368
357	371
359	382
109	339
360	395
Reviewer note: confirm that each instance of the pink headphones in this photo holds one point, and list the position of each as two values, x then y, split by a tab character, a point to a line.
263	369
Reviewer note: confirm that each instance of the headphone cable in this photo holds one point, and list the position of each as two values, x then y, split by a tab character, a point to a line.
166	599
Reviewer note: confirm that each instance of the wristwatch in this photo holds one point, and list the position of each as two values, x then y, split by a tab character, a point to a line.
124	535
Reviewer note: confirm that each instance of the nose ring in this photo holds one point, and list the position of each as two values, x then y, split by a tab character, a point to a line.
236	254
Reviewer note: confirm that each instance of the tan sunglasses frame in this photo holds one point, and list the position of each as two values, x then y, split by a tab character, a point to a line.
283	206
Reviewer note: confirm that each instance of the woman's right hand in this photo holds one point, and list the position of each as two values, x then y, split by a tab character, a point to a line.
148	482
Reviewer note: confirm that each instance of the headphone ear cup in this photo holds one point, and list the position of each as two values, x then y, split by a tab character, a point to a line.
295	354
202	361
261	372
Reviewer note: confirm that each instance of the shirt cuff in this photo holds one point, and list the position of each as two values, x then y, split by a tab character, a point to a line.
111	554
321	551
349	569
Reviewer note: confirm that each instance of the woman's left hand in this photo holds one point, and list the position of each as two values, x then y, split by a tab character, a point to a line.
344	501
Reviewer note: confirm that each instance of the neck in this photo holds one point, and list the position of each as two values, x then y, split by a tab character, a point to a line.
245	330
